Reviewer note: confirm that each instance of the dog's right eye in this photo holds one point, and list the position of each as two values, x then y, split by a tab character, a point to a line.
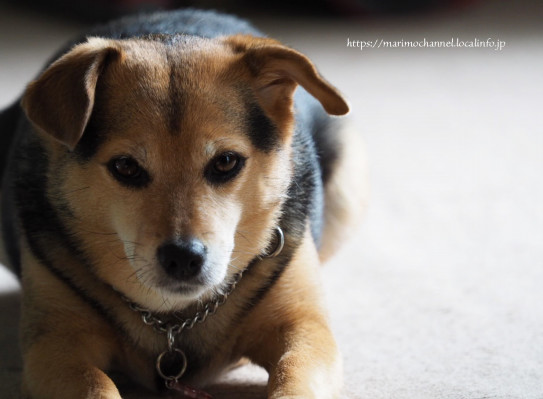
128	171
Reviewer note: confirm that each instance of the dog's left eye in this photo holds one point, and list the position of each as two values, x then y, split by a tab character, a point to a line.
224	167
128	171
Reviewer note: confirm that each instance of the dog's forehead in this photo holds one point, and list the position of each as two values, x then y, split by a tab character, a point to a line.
181	56
157	80
179	90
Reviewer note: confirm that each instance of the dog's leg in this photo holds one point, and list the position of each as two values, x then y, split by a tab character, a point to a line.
309	366
346	189
66	345
296	345
54	368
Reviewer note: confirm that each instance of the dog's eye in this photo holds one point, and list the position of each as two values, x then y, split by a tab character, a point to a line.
224	167
225	163
128	171
127	167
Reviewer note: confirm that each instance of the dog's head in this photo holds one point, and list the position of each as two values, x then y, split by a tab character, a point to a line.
169	157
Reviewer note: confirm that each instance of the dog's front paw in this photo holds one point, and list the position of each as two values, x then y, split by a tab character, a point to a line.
65	380
309	394
290	397
308	382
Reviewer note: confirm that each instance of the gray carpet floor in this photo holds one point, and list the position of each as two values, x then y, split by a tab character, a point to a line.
439	295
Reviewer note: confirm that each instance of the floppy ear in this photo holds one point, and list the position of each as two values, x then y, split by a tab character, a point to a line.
60	102
278	69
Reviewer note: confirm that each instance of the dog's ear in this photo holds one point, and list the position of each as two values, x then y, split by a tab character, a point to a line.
60	102
277	70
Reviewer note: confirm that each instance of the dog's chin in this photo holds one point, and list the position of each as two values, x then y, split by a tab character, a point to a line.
183	289
191	290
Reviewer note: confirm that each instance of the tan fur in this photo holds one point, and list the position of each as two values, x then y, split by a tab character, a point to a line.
295	343
68	346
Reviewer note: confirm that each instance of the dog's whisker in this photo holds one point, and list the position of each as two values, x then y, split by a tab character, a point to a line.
242	235
77	190
165	302
96	232
239	269
138	275
238	254
135	273
135	243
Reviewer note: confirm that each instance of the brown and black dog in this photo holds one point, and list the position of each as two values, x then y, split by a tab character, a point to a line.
154	169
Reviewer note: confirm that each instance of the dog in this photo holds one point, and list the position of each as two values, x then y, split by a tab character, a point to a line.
172	184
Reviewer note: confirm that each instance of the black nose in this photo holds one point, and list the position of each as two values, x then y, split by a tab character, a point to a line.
182	259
